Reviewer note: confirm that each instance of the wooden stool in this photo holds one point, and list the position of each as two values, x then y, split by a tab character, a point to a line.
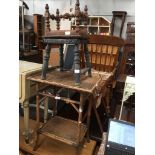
61	37
122	16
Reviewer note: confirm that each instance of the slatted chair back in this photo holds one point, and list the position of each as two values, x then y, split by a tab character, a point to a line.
104	52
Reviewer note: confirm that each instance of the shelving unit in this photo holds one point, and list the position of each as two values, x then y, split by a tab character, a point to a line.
38	29
96	25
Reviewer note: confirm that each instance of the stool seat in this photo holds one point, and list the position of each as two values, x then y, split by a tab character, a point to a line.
66	34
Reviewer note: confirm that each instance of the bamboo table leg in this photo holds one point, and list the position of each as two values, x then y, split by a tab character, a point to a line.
45	109
80	116
26	120
37	119
88	117
37	109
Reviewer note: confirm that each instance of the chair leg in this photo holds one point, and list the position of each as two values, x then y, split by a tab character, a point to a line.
107	100
103	101
98	118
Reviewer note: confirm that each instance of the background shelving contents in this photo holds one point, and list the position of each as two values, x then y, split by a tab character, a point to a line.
96	25
38	29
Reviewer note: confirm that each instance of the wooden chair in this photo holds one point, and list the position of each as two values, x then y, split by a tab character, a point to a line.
104	51
128	57
118	15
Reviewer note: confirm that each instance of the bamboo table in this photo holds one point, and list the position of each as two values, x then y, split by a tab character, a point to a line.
70	132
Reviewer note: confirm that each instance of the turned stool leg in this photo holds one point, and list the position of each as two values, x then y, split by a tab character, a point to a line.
61	57
45	62
37	122
77	64
87	58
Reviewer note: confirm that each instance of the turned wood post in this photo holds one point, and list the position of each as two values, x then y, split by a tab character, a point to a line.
85	16
77	15
58	19
47	17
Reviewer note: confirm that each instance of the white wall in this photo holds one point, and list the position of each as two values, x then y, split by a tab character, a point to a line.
95	7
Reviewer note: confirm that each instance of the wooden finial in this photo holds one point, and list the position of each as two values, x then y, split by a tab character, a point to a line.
46	7
77	15
86	10
47	16
77	2
86	16
77	7
58	19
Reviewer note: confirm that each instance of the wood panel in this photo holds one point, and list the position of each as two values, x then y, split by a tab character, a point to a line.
103	57
104	52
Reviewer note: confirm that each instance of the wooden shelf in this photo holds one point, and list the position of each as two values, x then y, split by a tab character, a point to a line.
64	130
96	25
47	146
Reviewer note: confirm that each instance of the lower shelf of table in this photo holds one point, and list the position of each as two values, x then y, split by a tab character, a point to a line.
47	146
64	130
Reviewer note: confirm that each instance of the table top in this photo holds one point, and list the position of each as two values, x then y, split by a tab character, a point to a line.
26	67
65	79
